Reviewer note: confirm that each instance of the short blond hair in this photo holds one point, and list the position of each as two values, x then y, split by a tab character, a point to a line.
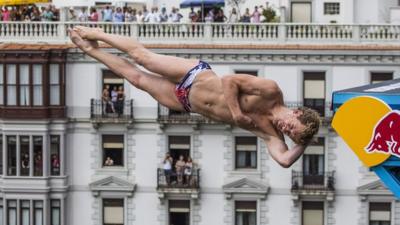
311	119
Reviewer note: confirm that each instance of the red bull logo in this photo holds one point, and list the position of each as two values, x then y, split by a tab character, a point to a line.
386	135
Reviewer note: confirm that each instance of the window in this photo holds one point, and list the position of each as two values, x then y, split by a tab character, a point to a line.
331	8
1	212
24	95
379	213
377	77
113	211
246	152
111	84
24	154
1	84
113	150
313	163
313	213
1	154
25	212
245	212
37	85
11	85
250	72
179	212
55	216
55	84
55	155
38	212
12	212
12	155
314	91
38	155
179	146
23	84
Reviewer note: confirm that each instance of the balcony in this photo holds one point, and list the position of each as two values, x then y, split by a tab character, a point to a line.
102	112
174	185
169	117
313	185
210	33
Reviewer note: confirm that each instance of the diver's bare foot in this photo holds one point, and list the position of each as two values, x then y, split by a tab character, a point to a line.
88	32
84	45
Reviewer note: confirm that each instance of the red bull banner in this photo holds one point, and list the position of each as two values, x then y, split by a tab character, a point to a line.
21	2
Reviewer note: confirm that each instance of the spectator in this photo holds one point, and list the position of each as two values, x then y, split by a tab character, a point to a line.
107	14
180	166
118	16
114	97
145	12
175	15
210	17
188	172
153	17
246	18
219	17
56	13
25	161
55	164
83	16
106	100
193	17
140	17
130	15
167	166
109	162
233	17
94	16
120	101
72	16
6	14
255	16
163	15
47	14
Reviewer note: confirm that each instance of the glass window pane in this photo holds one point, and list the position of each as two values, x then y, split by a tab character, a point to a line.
38	156
1	94
55	155
54	95
37	85
24	154
1	155
12	212
1	215
12	155
113	150
1	84
1	74
37	74
25	212
24	74
55	212
38	212
11	84
54	74
113	210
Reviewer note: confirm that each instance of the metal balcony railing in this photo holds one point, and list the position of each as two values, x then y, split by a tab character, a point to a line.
173	180
100	109
210	33
303	181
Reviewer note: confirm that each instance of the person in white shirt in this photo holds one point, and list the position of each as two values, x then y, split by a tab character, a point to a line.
175	15
83	15
153	17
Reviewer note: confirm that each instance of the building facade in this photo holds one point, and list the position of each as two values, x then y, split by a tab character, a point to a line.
71	156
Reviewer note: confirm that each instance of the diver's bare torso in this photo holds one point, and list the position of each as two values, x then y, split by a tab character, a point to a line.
207	98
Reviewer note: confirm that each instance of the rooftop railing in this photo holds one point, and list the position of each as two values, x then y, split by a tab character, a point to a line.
210	33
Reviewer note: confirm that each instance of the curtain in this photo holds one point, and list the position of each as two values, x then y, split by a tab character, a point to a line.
11	85
24	97
12	216
239	218
25	216
37	85
54	84
38	217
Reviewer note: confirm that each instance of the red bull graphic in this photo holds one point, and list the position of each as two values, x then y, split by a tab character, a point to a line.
386	135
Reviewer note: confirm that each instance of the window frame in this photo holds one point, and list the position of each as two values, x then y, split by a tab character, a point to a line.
55	207
123	210
318	76
390	211
317	202
380	76
331	8
236	166
246	202
103	152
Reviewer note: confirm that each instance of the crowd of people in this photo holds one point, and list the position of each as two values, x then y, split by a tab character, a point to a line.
113	100
128	14
178	172
29	13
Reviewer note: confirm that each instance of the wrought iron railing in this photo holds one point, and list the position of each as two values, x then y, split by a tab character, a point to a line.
174	180
319	181
100	109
